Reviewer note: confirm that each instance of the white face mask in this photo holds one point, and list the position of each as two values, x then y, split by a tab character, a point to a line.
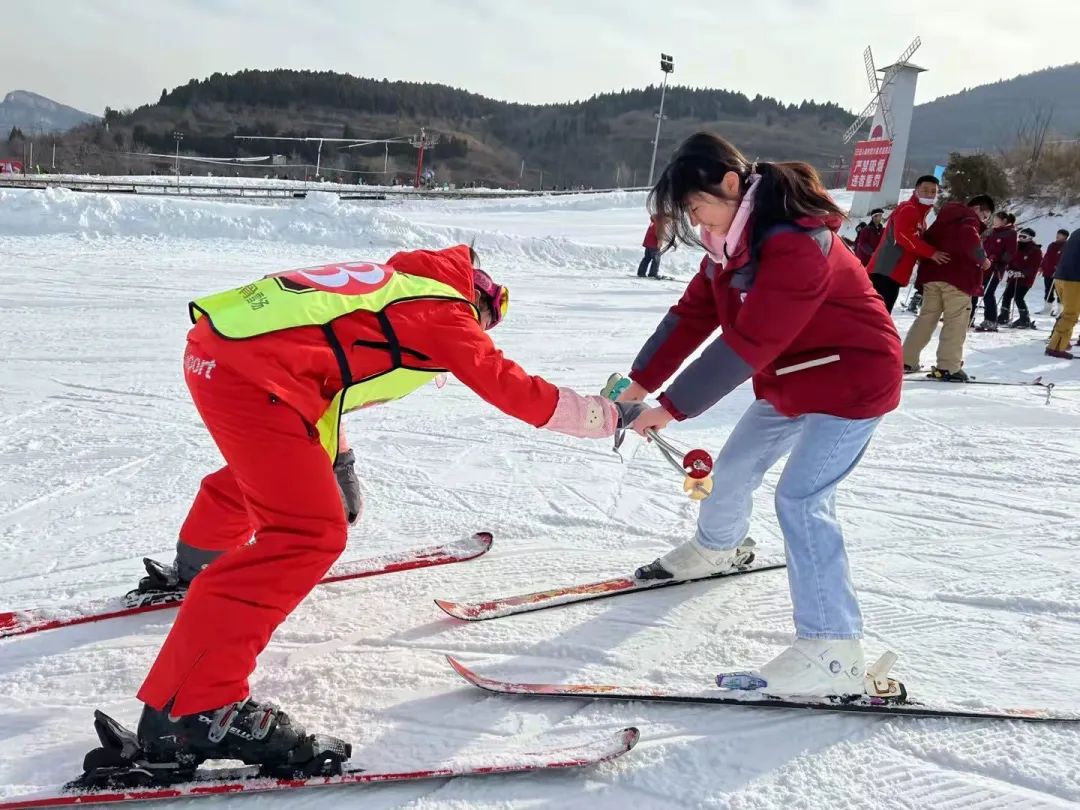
928	200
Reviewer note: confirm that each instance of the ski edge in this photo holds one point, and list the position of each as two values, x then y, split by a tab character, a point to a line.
579	755
629	693
478	544
470	612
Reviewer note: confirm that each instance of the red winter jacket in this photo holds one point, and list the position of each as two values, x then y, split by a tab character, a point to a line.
902	244
1025	262
1051	258
651	241
800	317
1000	246
956	231
298	365
867	241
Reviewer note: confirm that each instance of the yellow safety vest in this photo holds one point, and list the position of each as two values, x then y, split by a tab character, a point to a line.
317	296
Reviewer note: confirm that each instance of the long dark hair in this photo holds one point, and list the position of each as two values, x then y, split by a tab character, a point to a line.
786	191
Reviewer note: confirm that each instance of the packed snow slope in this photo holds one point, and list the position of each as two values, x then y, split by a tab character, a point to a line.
962	527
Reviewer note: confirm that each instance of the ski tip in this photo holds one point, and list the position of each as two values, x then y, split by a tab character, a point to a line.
455	609
484	538
630	737
466	673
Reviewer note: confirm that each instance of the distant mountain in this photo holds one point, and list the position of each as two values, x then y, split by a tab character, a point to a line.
986	118
603	141
33	113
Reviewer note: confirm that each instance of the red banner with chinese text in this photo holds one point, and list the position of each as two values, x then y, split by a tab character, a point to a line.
868	165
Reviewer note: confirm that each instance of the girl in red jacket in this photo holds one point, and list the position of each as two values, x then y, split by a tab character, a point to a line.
800	319
1023	270
271	367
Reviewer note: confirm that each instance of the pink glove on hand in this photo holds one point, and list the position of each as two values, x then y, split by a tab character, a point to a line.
591	417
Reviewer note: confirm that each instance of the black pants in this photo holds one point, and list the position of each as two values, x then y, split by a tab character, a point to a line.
1015	290
651	255
887	289
1048	290
990	308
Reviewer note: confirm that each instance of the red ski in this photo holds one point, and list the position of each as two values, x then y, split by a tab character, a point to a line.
21	622
539	755
720	697
525	603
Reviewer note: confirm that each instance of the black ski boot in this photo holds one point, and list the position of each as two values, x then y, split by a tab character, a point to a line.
1023	322
168	751
169	583
960	376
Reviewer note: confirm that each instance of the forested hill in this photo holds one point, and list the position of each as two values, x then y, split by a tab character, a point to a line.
597	142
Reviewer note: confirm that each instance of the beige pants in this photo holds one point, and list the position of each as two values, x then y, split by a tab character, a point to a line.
1069	296
941	302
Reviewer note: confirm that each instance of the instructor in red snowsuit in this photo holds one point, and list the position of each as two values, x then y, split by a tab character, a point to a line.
271	367
902	244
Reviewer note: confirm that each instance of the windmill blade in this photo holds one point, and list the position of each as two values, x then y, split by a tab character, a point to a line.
871	70
866	114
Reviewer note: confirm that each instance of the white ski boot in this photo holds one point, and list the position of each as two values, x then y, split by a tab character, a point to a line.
832	668
694	561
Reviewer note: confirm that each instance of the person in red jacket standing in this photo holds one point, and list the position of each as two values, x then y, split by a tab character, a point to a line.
800	319
869	237
948	288
271	367
651	260
1023	270
1000	247
902	244
1049	264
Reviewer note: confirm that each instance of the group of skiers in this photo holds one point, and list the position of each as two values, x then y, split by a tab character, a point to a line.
961	258
273	365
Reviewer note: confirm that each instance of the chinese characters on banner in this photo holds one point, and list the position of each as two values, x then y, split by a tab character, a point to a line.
868	165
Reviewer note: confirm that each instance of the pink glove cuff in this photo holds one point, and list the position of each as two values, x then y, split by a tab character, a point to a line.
591	417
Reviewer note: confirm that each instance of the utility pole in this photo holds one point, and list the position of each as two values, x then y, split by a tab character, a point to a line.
667	64
178	136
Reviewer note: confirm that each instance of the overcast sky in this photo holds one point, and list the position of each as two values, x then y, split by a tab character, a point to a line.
121	53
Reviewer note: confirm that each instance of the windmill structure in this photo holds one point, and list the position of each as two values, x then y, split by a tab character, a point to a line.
878	163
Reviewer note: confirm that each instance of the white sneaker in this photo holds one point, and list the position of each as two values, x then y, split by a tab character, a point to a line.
811	667
693	561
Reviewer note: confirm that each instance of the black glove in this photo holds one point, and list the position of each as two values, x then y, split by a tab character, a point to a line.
349	485
628	412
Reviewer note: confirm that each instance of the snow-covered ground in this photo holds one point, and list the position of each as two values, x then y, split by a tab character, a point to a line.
962	525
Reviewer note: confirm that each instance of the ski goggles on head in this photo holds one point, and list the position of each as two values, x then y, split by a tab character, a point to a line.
498	295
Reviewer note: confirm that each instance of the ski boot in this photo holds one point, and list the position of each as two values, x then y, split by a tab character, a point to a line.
1004	317
987	326
820	668
168	751
1023	322
1060	355
912	369
165	583
959	376
692	560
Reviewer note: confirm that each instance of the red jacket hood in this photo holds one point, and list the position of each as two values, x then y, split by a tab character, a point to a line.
451	266
956	213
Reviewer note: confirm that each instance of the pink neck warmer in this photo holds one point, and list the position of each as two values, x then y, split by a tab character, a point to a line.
721	250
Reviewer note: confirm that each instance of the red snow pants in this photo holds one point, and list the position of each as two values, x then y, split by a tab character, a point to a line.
278	485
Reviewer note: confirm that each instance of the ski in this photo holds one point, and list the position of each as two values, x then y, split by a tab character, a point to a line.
541	755
1038	381
526	603
34	620
716	697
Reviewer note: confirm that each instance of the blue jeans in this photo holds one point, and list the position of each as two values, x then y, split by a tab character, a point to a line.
824	450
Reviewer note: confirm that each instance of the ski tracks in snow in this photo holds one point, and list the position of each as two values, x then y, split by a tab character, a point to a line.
962	535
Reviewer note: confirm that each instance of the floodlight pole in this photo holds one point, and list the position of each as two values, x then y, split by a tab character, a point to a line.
667	65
